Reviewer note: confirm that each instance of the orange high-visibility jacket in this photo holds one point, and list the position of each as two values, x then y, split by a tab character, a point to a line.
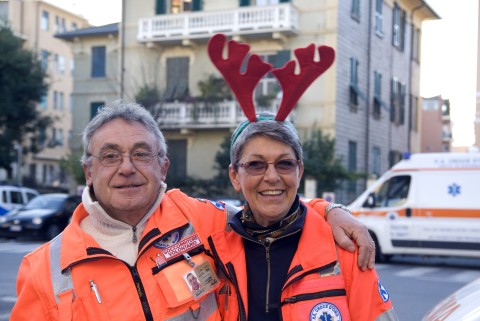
104	288
323	281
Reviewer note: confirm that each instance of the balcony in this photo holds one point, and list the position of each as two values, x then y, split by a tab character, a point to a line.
227	114
280	19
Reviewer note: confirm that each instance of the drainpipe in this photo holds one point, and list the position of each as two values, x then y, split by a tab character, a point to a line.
409	129
122	53
367	109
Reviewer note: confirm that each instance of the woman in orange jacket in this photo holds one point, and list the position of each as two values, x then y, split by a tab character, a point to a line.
279	259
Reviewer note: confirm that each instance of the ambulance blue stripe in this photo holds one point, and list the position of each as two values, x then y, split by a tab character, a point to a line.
437	245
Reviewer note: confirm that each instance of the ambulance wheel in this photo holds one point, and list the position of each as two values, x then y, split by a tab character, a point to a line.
379	256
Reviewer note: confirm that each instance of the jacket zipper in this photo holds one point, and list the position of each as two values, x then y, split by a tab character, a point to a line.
315	295
267	244
141	293
229	272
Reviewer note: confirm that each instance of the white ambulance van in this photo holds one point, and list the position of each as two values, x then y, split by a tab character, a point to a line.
428	204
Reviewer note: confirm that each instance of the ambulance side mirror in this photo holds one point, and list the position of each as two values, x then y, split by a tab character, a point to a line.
370	201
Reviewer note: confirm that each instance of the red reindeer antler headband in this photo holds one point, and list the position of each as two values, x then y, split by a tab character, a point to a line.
243	85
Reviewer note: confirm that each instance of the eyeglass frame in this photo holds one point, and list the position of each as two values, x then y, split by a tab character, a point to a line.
101	158
246	164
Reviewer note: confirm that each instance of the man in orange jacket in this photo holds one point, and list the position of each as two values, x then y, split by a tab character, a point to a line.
130	245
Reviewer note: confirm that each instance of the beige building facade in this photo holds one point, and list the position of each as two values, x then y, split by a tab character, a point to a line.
368	101
36	22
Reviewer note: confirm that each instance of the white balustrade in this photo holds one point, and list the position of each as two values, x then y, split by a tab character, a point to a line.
273	18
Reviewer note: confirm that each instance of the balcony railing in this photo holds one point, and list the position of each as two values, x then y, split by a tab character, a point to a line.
281	18
225	114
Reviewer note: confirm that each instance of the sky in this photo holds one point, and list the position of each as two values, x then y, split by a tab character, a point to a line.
448	60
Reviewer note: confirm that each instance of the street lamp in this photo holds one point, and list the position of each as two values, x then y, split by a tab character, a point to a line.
19	149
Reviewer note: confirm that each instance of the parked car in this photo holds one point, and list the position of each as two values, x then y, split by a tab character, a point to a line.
13	197
45	216
462	305
231	201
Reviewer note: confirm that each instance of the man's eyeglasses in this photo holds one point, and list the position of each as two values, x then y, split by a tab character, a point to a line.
116	158
259	167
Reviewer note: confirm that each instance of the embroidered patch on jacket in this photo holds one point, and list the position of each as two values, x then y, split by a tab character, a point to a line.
183	246
383	292
168	240
219	205
325	311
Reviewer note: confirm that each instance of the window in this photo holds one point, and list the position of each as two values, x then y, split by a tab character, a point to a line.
377	96
354	92
376	161
44	21
393	192
61	101
177	6
55	63
177	78
399	23
177	153
394	157
53	141
352	165
416	44
44	59
269	86
42	136
397	102
355	10
3	10
56	27
61	64
74	26
63	28
379	17
72	66
60	137
16	197
94	107
43	102
98	62
55	99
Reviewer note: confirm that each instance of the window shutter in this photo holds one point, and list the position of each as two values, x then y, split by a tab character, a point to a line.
403	26
94	107
393	100
160	7
197	5
282	57
284	1
244	3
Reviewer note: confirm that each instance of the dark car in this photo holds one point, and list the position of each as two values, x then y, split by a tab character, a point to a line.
45	216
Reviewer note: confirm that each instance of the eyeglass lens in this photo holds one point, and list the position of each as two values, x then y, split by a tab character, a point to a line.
258	167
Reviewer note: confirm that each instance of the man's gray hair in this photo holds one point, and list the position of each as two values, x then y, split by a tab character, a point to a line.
128	111
282	131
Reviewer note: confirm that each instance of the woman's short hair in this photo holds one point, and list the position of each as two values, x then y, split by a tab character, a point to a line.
266	126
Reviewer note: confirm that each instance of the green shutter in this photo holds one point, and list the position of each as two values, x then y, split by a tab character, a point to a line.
281	59
160	7
284	1
244	3
197	5
94	107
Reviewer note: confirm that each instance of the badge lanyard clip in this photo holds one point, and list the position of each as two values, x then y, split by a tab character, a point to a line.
188	258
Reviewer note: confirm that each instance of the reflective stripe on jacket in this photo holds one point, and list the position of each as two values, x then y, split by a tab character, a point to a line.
323	281
102	287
